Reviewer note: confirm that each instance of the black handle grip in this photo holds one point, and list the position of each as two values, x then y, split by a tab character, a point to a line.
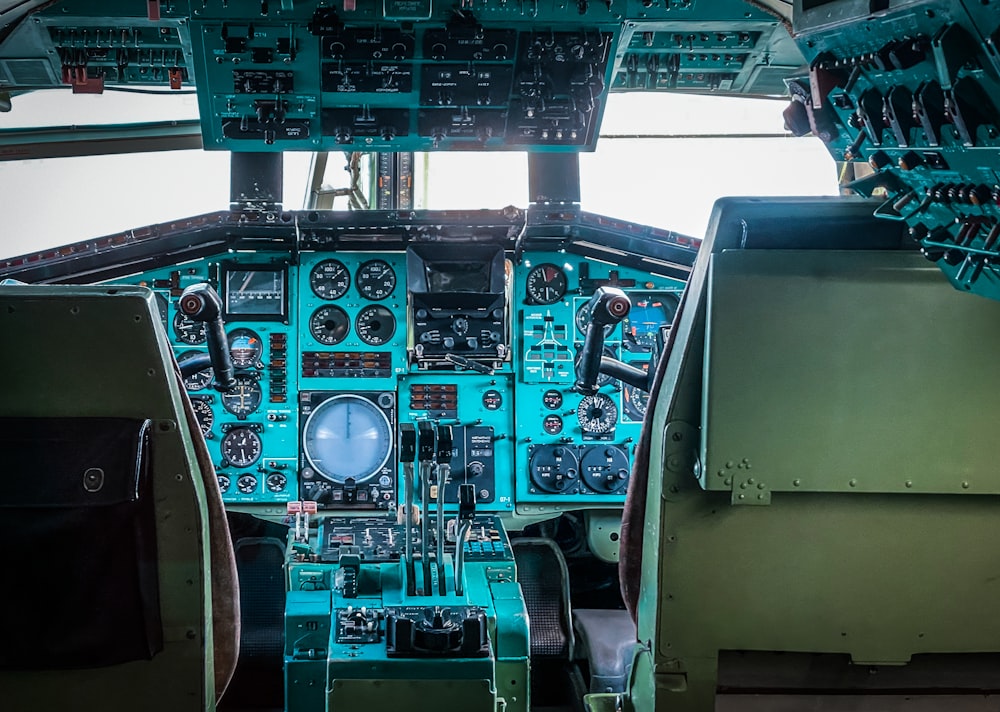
407	442
200	302
426	441
607	307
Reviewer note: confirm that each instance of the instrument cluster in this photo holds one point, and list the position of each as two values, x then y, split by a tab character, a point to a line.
333	350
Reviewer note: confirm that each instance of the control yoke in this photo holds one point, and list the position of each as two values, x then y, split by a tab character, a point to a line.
200	302
607	307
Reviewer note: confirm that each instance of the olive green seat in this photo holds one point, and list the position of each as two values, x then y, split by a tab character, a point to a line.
822	473
115	541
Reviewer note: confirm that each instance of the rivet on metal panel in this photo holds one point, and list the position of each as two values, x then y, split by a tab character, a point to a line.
965	485
796	483
728	481
909	483
853	483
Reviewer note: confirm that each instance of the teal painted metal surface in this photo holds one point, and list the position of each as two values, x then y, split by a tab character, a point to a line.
330	662
526	407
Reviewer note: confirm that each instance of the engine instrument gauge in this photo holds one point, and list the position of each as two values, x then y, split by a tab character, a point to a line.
347	437
552	399
649	313
196	381
583	319
552	424
375	280
245	347
203	414
329	325
375	325
330	279
597	414
241	447
245	397
247	484
276	482
189	331
545	284
224	483
635	402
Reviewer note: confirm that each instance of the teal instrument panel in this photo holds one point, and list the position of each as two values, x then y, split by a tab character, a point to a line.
334	349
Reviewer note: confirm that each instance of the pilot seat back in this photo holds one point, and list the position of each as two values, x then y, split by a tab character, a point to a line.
112	525
822	479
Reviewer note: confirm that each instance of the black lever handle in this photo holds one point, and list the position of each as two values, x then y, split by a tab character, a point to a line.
407	442
426	441
607	307
200	302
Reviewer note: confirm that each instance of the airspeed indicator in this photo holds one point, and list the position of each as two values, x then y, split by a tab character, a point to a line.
546	284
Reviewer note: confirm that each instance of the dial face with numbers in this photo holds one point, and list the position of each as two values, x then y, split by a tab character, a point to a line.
545	284
203	414
375	325
329	325
196	381
245	347
189	331
245	397
597	414
375	280
242	447
330	279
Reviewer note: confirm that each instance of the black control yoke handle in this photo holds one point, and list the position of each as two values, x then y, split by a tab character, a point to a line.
200	302
607	307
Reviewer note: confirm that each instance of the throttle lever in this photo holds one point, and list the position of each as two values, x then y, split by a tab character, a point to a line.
607	307
200	302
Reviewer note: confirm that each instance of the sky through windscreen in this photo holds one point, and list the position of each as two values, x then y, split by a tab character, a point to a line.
670	183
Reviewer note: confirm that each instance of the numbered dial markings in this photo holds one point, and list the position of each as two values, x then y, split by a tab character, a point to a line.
552	399
375	325
203	414
546	284
330	279
196	381
188	331
242	447
245	397
247	484
375	280
329	325
597	414
245	348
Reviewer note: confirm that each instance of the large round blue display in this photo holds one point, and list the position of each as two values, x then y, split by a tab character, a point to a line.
346	437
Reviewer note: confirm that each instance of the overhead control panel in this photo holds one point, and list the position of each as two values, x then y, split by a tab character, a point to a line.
397	76
913	89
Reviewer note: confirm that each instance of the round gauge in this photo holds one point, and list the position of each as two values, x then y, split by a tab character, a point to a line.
203	414
546	284
189	331
583	319
329	279
597	414
245	348
245	397
375	325
649	313
635	403
492	400
375	280
552	424
276	482
241	447
247	484
329	325
552	399
347	437
196	381
224	483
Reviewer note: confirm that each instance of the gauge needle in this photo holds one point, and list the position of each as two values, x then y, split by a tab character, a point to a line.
246	282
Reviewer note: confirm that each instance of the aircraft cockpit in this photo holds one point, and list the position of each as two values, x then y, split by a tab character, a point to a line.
390	447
